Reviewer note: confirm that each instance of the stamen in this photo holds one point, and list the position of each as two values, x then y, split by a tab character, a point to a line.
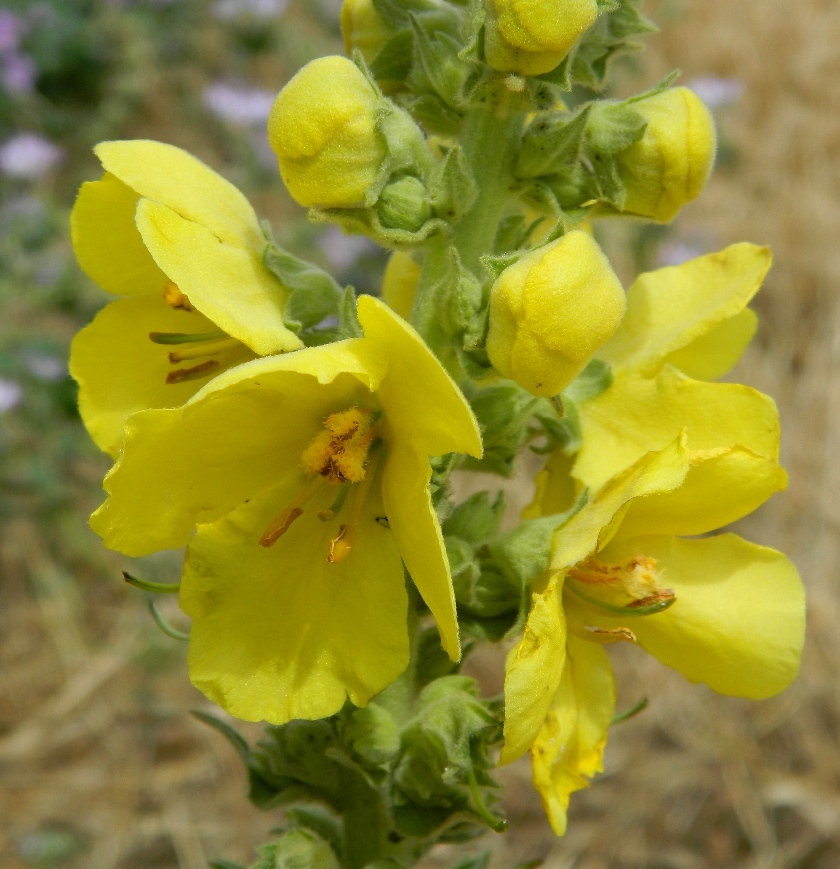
184	337
607	636
175	298
179	375
210	349
283	521
342	544
328	515
645	606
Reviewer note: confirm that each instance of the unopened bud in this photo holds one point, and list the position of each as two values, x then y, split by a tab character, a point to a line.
323	128
363	28
404	204
551	311
399	284
531	38
671	163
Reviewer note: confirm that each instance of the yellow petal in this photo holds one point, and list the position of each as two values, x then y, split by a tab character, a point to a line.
714	354
570	747
106	242
421	403
533	670
591	529
192	465
120	371
739	619
223	278
280	633
639	414
672	307
408	506
176	179
399	283
721	486
555	488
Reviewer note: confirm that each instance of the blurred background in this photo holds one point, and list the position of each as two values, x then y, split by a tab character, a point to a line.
101	764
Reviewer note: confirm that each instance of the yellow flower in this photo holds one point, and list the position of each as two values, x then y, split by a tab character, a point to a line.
682	322
307	476
719	610
551	311
670	164
363	28
184	248
323	128
531	38
399	284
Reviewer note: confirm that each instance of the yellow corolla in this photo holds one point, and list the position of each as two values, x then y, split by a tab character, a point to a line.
684	326
307	476
718	609
184	248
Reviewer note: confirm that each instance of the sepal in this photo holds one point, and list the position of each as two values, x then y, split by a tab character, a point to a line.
298	849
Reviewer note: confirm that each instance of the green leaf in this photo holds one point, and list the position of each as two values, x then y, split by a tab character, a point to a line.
348	315
591	382
395	58
552	143
503	411
613	127
452	189
440	62
564	431
320	819
477	861
373	737
432	660
298	849
477	519
613	33
523	553
314	293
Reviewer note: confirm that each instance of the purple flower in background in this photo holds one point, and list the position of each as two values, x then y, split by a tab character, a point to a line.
229	9
239	105
18	72
10	394
27	155
11	30
717	92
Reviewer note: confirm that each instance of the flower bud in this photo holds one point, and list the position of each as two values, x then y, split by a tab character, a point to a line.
399	284
323	128
531	38
551	311
404	204
671	163
363	28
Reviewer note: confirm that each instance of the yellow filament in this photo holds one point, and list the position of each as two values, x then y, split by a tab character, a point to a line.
199	350
284	519
342	544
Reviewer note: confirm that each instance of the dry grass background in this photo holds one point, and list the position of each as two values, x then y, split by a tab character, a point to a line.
95	736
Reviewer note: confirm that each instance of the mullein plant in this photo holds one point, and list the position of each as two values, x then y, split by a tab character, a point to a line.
298	441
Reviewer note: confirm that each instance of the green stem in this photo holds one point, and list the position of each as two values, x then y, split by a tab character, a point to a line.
490	141
364	821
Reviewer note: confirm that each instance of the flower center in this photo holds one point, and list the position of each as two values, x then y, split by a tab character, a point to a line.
343	455
627	590
193	345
